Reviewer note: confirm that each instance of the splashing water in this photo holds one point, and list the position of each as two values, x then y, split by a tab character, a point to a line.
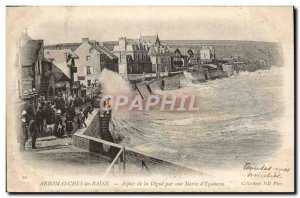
188	79
114	84
222	134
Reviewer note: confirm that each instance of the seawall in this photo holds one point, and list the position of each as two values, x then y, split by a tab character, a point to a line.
215	74
228	69
155	85
89	139
169	83
198	76
143	89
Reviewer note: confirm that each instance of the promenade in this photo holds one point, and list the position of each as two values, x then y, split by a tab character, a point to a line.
60	155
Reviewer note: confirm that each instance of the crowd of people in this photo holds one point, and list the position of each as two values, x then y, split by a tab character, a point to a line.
55	117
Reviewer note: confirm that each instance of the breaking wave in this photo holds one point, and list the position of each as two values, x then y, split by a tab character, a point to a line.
114	84
238	119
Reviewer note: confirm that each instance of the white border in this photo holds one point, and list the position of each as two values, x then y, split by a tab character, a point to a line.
3	4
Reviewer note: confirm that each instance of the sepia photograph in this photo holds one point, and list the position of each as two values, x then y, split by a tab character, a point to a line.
150	99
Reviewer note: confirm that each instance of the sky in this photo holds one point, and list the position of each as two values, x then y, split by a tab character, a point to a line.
71	24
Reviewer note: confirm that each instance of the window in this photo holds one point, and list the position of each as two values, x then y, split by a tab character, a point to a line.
88	70
88	58
102	57
89	82
158	60
50	67
90	50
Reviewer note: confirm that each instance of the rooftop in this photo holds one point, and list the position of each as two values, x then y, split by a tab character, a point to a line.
72	46
29	52
59	57
102	49
150	39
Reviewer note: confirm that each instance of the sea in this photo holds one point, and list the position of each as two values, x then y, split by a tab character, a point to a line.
237	122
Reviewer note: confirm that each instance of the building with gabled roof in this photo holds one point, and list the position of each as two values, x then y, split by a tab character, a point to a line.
30	62
179	60
61	58
160	55
133	56
61	46
93	57
207	54
150	40
58	67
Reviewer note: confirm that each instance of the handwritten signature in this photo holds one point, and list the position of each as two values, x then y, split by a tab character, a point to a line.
264	171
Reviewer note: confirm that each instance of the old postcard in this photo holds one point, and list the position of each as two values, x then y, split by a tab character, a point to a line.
150	99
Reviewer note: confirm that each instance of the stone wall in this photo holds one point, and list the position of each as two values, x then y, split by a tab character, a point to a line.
96	145
87	139
228	69
199	76
143	89
155	165
155	84
93	125
215	74
171	82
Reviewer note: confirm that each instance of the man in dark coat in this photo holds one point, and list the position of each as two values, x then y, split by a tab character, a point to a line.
33	131
62	105
87	110
69	125
40	119
30	110
71	111
49	115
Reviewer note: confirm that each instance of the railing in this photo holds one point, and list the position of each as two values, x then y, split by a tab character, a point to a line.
121	164
176	72
144	75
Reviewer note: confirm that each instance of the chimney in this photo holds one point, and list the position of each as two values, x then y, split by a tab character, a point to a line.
93	42
85	40
122	43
